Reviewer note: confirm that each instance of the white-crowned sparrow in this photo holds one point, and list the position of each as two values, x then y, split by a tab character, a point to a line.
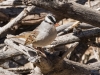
44	34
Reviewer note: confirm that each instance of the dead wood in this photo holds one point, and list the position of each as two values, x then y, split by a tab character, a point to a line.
71	49
76	24
11	3
43	66
79	51
6	72
22	69
7	52
62	28
55	63
71	37
81	68
33	19
73	10
15	21
57	58
37	15
86	26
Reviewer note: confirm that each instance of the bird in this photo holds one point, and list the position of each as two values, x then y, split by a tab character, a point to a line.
44	34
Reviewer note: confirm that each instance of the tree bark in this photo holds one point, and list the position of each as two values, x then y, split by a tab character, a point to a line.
70	9
71	37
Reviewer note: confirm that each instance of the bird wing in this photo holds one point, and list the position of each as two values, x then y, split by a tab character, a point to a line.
32	37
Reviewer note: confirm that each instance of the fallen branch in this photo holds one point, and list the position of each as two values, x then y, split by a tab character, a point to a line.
73	10
23	69
61	28
10	3
71	37
70	49
18	46
17	19
8	52
82	68
6	72
76	24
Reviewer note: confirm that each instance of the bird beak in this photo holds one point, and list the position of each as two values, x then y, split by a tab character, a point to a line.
56	25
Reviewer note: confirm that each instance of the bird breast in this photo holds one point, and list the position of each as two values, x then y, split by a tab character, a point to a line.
45	37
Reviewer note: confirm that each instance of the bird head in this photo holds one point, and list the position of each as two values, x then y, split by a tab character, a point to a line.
50	19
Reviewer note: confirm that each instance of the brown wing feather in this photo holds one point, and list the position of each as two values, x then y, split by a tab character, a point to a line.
32	37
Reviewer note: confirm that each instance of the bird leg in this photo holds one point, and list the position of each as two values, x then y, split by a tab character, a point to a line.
40	52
